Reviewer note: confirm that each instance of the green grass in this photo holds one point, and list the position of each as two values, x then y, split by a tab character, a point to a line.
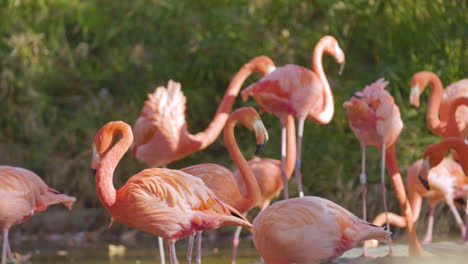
68	67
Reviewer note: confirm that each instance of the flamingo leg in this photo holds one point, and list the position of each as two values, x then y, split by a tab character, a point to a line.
199	247
283	162
172	252
465	239
5	246
297	169
161	250
430	225
189	249
236	241
363	180
384	195
457	216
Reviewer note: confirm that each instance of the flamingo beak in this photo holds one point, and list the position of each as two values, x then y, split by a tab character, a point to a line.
262	135
425	168
414	95
341	68
271	69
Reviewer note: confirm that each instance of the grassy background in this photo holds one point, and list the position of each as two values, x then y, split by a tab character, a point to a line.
68	66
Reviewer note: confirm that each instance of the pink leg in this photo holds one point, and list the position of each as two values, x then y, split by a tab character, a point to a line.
199	247
465	239
283	162
189	249
297	169
384	195
5	246
457	216
235	244
172	252
363	180
430	225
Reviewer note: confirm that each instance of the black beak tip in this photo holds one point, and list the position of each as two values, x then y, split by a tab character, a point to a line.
94	171
259	148
424	182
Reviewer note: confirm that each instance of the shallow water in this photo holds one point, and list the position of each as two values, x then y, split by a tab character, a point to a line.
440	252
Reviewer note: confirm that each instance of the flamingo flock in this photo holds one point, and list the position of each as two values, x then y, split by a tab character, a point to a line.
173	204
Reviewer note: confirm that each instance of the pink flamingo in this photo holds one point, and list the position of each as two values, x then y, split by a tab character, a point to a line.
298	91
23	194
444	183
309	230
221	180
162	124
437	116
269	175
167	203
375	120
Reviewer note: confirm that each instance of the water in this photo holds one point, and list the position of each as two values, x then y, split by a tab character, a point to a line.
440	252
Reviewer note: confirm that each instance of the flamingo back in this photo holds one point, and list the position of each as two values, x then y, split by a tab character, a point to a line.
171	204
309	230
161	126
374	116
24	193
290	89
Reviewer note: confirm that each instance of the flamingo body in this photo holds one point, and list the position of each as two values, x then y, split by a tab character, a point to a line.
309	230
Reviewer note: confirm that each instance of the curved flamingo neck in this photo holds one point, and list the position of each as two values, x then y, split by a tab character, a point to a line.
328	105
432	114
290	146
105	171
457	144
252	191
452	126
207	136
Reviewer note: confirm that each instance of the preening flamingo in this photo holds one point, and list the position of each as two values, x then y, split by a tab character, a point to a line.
437	115
445	181
298	91
167	203
162	124
23	194
375	120
268	173
434	154
221	180
309	230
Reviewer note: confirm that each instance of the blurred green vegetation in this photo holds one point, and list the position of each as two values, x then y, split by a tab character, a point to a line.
68	66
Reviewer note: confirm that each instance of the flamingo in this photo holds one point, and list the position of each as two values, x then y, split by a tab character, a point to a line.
221	180
162	124
444	182
167	203
298	91
309	230
434	154
437	116
23	194
375	120
269	175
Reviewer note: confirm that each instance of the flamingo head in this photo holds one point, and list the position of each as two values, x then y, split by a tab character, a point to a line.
331	47
262	64
432	157
249	117
419	82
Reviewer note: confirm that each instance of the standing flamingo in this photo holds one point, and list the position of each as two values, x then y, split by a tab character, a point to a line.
309	230
444	183
23	194
162	124
375	119
221	180
269	175
298	91
437	116
167	203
